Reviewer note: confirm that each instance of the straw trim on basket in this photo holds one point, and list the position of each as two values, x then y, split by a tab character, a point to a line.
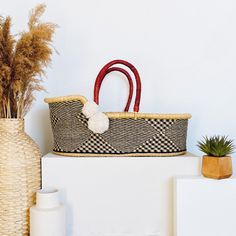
65	99
119	115
173	154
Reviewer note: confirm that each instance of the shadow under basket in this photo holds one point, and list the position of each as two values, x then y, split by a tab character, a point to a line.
129	133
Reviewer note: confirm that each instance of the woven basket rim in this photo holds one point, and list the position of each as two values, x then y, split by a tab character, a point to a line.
12	119
120	115
66	98
136	115
133	155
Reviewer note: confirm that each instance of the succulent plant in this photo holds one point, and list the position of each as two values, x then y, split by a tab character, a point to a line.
217	146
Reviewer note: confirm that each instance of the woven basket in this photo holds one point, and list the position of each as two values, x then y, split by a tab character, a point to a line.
129	134
19	177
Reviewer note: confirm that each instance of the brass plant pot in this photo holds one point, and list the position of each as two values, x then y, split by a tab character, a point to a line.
216	167
19	177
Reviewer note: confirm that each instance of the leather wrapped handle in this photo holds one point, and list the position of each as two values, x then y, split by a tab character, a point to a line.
131	87
103	73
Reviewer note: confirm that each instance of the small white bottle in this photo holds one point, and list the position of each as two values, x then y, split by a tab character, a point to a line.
47	217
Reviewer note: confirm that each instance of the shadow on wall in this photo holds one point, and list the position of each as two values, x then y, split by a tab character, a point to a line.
45	124
38	126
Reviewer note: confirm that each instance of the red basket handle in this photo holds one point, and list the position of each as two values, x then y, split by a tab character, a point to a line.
131	87
102	74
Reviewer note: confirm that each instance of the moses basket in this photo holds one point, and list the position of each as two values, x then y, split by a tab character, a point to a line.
129	133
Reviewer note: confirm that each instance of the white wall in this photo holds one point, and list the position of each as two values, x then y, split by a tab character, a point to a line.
185	51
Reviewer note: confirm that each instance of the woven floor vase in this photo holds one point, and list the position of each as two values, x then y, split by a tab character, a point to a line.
19	177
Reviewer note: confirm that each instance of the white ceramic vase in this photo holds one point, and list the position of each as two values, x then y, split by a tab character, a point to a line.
47	217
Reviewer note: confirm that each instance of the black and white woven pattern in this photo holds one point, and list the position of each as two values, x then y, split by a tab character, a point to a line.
96	144
125	135
160	125
159	142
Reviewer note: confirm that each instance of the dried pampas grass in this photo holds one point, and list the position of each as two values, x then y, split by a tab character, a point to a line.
23	62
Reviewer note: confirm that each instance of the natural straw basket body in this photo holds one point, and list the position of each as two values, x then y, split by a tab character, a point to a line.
19	177
129	133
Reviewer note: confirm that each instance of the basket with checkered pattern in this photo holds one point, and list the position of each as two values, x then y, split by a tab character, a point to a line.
129	133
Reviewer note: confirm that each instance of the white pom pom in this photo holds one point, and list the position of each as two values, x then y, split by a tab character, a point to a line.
98	123
89	109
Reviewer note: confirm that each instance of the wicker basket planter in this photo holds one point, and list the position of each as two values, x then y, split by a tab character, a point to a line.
19	177
129	133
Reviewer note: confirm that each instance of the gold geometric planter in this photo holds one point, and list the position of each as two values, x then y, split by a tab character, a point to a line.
19	177
217	167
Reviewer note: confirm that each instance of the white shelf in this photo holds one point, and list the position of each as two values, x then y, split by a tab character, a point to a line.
205	207
109	196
